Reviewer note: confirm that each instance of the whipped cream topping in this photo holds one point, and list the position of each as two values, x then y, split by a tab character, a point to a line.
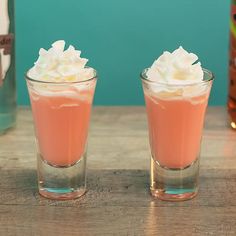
60	65
178	67
179	76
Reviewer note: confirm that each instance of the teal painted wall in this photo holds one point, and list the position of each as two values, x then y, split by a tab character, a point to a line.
121	37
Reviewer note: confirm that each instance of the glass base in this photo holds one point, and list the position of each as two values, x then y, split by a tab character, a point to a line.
66	194
7	121
174	184
62	183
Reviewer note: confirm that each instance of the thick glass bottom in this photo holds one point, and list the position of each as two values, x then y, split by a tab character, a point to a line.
7	121
62	183
59	194
174	184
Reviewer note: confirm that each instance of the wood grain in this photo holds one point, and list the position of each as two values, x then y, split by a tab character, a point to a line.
118	200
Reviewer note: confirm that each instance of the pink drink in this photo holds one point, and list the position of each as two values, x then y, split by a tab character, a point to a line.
175	129
176	90
61	89
61	125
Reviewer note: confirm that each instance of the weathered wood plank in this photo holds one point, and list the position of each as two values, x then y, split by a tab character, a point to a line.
119	140
115	220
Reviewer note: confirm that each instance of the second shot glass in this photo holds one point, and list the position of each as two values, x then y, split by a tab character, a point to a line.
175	124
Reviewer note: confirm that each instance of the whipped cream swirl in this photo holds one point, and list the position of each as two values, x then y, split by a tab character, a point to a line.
59	65
178	67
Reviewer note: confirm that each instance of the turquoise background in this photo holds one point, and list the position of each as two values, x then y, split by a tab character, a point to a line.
121	37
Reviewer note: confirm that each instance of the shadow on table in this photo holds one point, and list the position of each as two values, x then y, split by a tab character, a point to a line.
20	186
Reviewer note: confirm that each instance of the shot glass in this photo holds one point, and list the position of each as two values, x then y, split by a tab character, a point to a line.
175	120
61	114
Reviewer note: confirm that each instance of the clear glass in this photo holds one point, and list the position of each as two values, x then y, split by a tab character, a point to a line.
175	119
7	66
61	113
8	101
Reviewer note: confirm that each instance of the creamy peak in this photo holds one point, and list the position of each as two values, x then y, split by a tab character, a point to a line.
60	65
178	67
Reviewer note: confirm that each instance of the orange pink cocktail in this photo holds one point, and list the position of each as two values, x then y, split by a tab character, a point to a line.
61	90
176	92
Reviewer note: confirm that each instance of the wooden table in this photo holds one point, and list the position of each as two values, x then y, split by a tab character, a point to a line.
118	200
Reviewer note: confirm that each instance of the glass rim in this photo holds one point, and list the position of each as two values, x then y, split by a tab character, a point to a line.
205	71
95	76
